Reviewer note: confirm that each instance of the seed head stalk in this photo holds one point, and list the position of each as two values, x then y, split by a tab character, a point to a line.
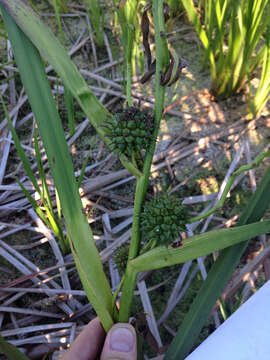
162	62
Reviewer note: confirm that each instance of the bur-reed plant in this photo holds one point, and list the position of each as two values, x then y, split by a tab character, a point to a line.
231	34
30	38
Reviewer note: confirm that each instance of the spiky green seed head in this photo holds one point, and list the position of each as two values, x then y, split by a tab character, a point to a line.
163	218
130	130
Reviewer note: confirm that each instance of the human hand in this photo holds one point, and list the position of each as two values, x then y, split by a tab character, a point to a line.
120	343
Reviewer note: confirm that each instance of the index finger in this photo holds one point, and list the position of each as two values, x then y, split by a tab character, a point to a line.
88	344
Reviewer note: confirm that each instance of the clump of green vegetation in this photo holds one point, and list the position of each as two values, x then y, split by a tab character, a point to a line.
232	34
130	131
162	220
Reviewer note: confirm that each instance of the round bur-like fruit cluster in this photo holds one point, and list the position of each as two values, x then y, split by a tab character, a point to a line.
163	219
130	131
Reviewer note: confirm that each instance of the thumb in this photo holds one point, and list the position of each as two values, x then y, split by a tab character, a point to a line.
120	343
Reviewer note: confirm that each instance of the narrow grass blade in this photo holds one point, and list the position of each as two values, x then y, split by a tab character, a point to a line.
45	194
58	206
58	18
194	18
53	223
217	278
33	203
11	351
45	190
49	124
80	179
25	161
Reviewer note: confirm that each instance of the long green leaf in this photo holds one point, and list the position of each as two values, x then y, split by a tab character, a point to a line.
217	278
40	97
197	246
11	352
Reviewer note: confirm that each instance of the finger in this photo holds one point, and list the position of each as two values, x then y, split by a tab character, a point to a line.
120	343
88	344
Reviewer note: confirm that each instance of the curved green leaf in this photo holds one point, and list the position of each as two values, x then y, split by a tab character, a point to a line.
197	246
11	352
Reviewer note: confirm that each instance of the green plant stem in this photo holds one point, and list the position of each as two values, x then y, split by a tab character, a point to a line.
130	276
127	294
162	60
135	237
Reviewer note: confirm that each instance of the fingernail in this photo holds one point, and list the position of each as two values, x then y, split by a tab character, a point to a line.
121	340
